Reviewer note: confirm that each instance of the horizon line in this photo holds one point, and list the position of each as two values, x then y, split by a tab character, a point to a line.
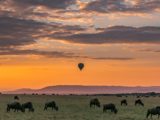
81	86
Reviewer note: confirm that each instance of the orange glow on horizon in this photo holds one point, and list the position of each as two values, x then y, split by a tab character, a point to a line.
67	73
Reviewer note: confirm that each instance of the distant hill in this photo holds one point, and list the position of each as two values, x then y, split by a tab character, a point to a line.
78	89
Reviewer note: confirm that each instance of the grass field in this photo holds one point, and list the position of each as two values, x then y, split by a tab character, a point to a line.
77	108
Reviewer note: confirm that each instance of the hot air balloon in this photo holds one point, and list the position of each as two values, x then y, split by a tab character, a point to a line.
80	66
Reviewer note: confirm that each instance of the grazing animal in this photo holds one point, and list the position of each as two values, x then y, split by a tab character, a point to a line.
153	111
139	102
52	105
29	106
16	97
16	106
124	102
110	107
158	107
95	102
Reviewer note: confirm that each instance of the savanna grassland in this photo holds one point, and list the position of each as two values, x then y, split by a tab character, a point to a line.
77	108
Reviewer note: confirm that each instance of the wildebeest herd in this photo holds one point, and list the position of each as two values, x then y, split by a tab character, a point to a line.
112	107
93	103
17	106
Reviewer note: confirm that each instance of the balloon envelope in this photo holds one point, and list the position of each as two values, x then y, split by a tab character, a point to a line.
80	66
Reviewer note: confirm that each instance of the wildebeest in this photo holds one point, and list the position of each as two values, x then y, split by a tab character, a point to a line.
52	105
139	102
153	111
158	107
95	102
124	102
146	96
29	106
16	106
16	97
110	107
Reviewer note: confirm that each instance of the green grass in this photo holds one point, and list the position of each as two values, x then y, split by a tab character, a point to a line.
77	108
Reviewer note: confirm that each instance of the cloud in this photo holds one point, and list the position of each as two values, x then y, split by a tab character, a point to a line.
39	6
36	52
36	9
25	22
149	50
113	58
116	34
53	4
17	32
110	6
56	54
101	6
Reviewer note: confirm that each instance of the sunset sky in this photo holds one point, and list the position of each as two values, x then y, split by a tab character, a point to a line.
42	41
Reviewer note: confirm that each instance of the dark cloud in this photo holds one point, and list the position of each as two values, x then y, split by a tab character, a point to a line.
110	6
102	6
116	34
14	32
35	8
17	32
53	4
19	28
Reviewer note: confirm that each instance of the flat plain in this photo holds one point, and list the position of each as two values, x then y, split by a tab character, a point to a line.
77	108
